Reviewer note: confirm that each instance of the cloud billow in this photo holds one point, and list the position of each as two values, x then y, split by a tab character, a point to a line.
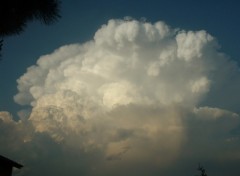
131	97
121	64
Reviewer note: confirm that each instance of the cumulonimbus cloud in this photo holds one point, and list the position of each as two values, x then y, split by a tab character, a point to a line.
130	96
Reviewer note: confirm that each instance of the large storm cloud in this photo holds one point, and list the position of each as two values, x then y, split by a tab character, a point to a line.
134	99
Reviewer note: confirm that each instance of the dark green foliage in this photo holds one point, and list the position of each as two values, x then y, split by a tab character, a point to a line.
1	44
202	170
15	14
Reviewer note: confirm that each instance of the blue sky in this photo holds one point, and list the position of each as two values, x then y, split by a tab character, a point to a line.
119	87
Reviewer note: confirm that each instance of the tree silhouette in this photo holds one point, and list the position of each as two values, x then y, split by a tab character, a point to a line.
1	44
202	170
15	14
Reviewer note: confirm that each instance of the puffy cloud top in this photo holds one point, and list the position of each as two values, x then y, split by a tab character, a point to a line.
127	62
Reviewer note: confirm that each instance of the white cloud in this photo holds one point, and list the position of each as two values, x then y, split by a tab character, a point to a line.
150	63
128	98
191	44
213	113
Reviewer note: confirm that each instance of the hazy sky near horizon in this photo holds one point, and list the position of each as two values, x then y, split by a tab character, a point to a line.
124	88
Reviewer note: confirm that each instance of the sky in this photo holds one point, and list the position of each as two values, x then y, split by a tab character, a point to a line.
122	87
